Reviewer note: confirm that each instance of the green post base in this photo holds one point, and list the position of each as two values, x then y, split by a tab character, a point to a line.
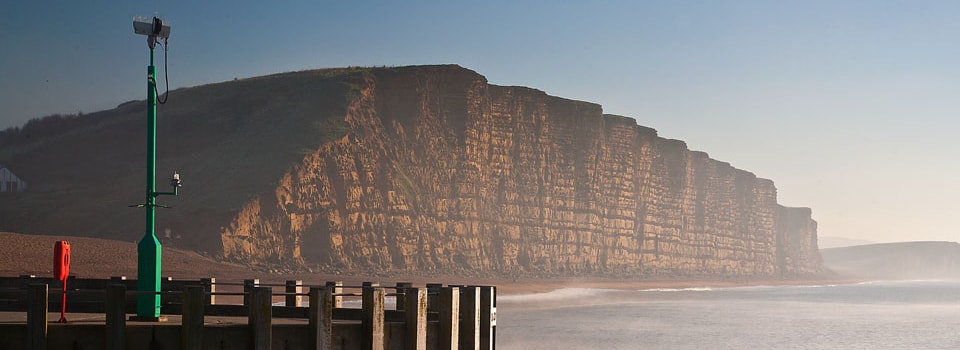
148	319
148	278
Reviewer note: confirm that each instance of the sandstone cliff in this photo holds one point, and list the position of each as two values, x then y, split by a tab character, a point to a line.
432	169
442	171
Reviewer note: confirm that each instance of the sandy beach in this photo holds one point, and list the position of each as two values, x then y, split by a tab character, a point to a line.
98	258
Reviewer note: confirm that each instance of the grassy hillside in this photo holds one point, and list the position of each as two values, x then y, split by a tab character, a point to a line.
229	141
908	260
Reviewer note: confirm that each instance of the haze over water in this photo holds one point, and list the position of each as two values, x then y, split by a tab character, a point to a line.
874	315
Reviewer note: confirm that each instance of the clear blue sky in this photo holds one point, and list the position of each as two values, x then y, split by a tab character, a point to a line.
849	106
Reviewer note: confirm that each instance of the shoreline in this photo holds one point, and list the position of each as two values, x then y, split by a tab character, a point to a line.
548	285
99	258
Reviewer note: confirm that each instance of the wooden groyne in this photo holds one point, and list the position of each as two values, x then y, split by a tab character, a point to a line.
297	316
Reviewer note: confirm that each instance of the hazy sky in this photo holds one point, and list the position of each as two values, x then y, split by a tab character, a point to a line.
851	107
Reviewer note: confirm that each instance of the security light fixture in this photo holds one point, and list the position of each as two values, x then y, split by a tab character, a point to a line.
152	28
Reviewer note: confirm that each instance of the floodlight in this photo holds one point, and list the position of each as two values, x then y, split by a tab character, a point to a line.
151	27
175	181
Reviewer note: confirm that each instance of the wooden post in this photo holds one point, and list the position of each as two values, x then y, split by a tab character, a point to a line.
37	317
25	280
373	316
415	309
449	305
401	288
336	288
248	286
191	329
433	295
166	285
260	318
488	317
116	321
293	287
470	320
122	280
321	317
209	287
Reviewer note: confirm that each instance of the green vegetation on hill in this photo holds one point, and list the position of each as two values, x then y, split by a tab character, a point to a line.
230	141
907	260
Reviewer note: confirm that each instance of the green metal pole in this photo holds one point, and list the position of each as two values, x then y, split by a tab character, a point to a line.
148	250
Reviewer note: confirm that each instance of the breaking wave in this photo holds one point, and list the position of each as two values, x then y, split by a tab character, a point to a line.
690	289
558	294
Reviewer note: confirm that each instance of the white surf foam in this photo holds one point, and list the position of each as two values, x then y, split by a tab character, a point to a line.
554	295
690	289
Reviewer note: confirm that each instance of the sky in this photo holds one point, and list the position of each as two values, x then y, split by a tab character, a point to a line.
849	106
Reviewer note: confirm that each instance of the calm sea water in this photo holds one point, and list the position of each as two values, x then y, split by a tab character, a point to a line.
875	315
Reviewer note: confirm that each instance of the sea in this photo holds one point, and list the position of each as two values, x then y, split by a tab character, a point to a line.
872	315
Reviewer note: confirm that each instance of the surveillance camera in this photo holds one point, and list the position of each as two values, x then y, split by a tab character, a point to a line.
151	27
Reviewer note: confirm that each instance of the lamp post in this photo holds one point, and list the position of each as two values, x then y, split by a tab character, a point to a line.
149	249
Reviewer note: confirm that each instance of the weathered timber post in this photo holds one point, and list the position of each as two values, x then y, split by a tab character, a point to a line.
116	322
166	284
118	279
449	305
488	317
260	318
24	281
433	295
415	310
401	288
37	316
373	318
336	288
122	280
209	287
191	329
248	286
293	287
321	318
470	318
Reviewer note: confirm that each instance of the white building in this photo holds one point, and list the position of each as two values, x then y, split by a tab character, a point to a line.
10	182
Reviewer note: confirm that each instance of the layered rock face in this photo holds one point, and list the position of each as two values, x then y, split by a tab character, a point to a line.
800	253
417	169
441	171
